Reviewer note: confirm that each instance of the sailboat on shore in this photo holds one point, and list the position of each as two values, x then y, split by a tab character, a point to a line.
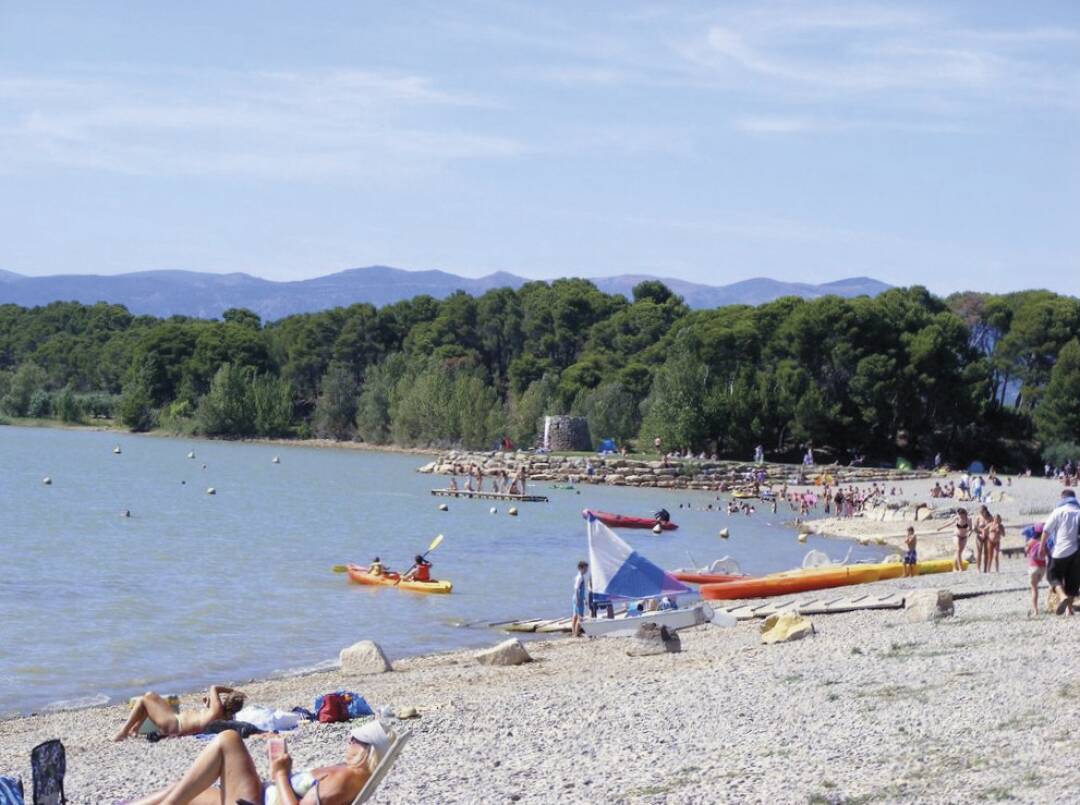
619	573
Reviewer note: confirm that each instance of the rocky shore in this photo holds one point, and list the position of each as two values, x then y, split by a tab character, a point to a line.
871	708
615	470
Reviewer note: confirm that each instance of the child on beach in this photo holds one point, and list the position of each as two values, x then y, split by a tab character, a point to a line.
1036	562
910	556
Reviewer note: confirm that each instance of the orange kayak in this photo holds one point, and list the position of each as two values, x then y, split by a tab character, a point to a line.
767	586
359	574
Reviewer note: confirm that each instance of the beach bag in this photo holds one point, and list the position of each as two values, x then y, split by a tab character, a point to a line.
11	791
49	764
355	705
333	708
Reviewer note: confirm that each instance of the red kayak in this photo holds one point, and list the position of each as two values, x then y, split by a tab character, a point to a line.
690	577
624	521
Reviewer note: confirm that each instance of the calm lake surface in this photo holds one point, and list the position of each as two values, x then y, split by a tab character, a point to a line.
194	589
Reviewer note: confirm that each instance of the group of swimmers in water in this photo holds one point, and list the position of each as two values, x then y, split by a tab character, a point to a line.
226	762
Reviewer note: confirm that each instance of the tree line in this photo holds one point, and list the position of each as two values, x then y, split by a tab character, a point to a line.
905	373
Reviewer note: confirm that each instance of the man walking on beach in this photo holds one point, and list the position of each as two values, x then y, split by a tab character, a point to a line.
1063	568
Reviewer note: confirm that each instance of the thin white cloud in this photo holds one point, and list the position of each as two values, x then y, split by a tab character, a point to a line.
315	126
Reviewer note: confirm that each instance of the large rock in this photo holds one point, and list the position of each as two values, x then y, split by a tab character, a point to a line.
365	657
508	652
928	605
651	639
784	627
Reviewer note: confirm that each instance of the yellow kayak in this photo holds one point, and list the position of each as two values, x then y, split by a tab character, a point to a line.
884	570
359	574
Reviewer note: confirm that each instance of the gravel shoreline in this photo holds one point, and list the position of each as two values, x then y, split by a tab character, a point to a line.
871	708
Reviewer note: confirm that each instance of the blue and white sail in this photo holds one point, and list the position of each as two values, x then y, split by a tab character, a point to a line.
618	571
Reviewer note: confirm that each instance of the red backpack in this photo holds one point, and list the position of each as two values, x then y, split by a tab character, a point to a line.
334	708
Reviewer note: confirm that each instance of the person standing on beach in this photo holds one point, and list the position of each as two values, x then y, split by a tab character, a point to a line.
1036	563
1063	565
982	536
911	557
963	525
581	596
994	534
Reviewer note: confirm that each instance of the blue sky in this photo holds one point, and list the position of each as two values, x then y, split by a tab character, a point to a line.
933	144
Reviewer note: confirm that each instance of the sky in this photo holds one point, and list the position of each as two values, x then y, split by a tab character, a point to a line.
933	144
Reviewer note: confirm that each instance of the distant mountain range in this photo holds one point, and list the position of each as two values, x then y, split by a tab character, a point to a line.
191	293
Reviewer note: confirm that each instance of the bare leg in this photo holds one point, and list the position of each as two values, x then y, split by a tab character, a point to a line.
151	706
225	759
1034	596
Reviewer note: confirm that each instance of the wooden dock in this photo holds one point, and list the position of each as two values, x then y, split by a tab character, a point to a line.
465	493
813	606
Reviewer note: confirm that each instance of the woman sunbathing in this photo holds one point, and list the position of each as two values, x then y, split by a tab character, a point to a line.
221	703
226	761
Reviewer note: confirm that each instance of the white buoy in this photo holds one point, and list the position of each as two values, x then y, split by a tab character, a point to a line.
191	454
493	510
275	460
125	513
656	529
211	491
724	533
117	450
802	536
512	511
47	481
443	507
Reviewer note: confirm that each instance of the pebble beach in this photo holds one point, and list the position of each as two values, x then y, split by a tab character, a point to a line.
871	708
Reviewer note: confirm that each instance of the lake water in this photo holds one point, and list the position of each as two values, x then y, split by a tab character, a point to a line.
194	589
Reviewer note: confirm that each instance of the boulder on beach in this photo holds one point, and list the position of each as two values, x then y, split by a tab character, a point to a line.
784	627
928	605
651	639
508	652
365	657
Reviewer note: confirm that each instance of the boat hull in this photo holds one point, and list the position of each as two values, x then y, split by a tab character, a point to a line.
624	521
623	626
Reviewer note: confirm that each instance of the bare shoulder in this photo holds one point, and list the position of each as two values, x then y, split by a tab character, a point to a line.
339	786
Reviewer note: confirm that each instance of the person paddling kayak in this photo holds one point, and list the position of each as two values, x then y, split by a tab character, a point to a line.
420	571
376	568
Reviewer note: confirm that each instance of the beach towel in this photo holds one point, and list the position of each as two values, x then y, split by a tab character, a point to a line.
11	791
245	729
49	764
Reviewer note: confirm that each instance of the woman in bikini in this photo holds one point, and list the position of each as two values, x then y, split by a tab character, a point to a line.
983	520
962	524
995	532
226	761
222	703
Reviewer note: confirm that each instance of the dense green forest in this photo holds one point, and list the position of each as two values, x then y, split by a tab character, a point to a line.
902	374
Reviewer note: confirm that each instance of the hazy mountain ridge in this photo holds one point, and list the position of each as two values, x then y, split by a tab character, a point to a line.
193	293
